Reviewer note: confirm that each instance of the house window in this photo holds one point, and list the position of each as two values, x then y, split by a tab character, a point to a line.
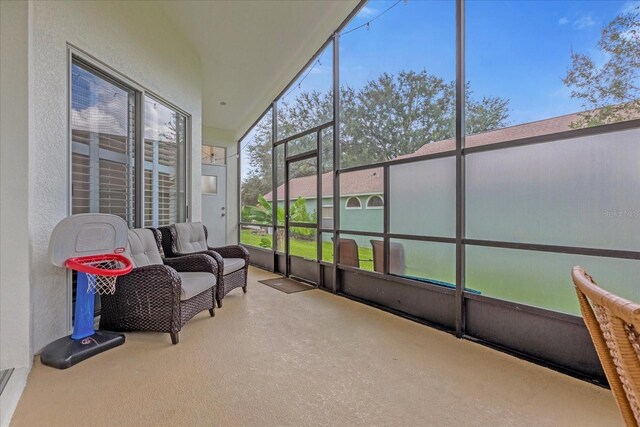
327	216
375	202
353	203
164	166
103	127
209	184
110	132
214	155
327	212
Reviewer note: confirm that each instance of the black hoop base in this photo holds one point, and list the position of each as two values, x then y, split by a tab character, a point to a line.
66	352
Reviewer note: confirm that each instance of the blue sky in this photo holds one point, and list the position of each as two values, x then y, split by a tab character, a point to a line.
519	50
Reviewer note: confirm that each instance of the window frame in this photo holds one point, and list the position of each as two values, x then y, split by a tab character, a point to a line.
203	187
132	95
224	156
179	171
352	208
374	196
326	207
103	70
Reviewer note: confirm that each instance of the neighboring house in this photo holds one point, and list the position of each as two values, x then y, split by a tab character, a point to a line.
361	204
361	192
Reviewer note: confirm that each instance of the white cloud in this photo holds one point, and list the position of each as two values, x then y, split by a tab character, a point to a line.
95	119
367	12
563	21
157	121
584	21
112	119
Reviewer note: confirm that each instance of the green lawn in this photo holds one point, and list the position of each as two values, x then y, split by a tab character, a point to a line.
497	278
304	248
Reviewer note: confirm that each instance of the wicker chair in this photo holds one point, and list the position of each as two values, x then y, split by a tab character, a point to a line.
159	295
189	238
614	325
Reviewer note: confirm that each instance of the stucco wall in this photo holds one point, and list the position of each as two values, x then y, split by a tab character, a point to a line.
14	181
134	38
222	138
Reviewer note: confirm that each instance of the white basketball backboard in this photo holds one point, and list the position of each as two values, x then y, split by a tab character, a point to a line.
87	234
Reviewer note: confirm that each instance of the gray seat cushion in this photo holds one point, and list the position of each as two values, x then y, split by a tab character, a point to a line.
194	283
142	248
232	264
190	237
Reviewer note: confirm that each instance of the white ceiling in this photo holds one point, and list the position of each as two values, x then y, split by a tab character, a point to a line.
250	50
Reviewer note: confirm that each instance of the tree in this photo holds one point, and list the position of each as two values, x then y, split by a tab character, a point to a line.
388	117
307	110
262	213
396	115
258	179
611	91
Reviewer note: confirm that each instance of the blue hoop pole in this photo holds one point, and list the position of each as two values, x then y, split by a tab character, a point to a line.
84	309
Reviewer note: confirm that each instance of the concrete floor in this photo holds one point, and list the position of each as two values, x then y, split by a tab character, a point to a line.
309	358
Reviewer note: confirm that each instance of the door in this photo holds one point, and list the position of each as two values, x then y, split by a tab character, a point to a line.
301	216
213	186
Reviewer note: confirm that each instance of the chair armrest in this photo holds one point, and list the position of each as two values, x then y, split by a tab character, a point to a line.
195	262
232	251
212	254
147	299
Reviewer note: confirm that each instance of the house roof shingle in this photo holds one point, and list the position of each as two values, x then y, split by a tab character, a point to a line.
370	181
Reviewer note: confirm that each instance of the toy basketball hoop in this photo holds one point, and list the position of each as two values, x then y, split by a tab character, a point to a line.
102	271
92	246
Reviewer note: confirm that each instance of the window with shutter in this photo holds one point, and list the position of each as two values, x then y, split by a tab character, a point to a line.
164	153
102	133
106	132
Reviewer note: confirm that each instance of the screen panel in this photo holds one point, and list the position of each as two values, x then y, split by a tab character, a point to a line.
256	196
422	198
579	192
543	279
431	262
257	236
355	189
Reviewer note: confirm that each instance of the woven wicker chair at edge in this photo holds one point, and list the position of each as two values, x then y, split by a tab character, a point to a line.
614	326
148	298
226	283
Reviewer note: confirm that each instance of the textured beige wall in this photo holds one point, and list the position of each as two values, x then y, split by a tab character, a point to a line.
134	38
14	181
15	348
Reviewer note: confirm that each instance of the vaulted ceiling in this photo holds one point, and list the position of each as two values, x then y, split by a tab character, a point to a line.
250	50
